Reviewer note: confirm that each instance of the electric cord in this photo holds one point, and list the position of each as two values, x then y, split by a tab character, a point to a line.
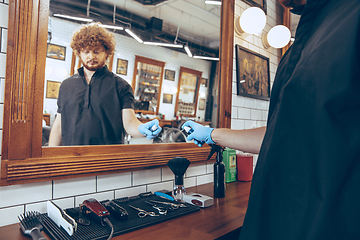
107	220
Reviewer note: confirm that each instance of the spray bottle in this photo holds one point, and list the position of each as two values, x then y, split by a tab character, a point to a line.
219	171
219	166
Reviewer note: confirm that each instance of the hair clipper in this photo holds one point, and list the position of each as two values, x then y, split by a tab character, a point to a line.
95	210
116	210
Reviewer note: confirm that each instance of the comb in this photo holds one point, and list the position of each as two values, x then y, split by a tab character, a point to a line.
30	225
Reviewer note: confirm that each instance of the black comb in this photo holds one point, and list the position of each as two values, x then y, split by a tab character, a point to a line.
30	225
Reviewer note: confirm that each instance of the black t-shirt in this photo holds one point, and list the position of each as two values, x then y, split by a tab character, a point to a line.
92	113
306	185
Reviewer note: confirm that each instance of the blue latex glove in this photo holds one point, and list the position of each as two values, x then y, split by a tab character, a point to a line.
150	129
199	133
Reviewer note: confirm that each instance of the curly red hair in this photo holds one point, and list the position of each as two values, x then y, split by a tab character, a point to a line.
92	35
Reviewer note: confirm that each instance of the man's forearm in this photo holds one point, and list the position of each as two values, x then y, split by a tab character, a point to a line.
55	134
55	138
248	140
133	128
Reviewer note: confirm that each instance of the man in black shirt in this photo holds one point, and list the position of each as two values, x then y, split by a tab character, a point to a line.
95	106
307	178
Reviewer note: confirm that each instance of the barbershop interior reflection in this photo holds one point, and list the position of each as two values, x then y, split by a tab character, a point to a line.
162	87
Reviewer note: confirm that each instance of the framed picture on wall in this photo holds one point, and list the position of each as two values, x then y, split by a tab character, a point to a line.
252	74
167	98
257	3
169	75
203	82
52	89
121	66
56	51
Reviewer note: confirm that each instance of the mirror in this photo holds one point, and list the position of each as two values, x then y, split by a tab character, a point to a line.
188	91
24	160
193	24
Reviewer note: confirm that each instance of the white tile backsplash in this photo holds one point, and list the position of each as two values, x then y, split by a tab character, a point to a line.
113	181
195	169
1	112
24	193
250	102
2	65
167	174
128	192
255	114
250	124
3	40
160	186
261	104
146	176
189	182
244	113
65	202
72	187
237	124
4	10
38	207
11	214
2	88
205	179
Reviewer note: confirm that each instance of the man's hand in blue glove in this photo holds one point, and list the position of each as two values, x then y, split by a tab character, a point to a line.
199	133
150	129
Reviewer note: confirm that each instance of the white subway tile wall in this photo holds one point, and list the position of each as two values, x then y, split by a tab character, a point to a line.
113	181
72	187
250	112
14	200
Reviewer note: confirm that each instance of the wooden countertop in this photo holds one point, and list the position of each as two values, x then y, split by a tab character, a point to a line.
226	215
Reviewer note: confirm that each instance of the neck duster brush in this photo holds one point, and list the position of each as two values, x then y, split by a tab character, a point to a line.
178	166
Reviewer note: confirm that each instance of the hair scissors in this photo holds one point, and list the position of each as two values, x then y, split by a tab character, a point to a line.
142	213
173	205
160	209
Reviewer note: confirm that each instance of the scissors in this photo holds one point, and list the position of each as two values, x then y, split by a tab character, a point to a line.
142	213
160	209
173	205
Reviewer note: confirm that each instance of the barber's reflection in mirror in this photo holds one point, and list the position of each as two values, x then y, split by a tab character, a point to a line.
95	106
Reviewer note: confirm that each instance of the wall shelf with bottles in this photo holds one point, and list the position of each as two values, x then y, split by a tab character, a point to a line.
147	81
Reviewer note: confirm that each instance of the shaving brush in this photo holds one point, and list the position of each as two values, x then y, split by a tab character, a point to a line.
178	166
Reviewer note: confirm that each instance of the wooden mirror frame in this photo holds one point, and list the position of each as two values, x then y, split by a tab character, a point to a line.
197	88
23	158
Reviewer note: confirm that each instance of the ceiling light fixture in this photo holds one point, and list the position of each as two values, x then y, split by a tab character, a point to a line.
278	37
134	35
187	50
207	58
214	2
252	21
73	18
164	44
112	27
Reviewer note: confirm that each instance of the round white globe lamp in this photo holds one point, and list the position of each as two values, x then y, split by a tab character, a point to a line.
252	21
278	37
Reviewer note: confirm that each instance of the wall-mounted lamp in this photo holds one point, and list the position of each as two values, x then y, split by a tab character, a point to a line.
134	35
187	50
278	37
252	21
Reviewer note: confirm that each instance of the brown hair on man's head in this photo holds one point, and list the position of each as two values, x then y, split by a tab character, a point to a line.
92	35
